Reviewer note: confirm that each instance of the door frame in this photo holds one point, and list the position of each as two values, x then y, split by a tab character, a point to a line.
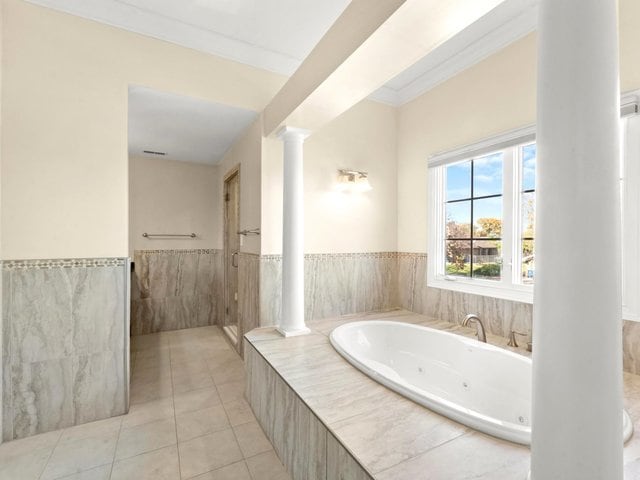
233	172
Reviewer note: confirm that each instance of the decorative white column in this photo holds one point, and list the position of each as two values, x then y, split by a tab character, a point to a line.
577	331
292	322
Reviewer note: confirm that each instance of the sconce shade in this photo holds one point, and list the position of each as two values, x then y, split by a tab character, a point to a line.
353	181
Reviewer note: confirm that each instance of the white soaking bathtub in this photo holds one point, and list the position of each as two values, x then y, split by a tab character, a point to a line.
479	385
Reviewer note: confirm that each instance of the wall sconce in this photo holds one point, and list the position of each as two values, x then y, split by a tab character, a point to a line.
353	181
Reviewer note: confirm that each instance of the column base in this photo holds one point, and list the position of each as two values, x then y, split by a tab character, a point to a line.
293	333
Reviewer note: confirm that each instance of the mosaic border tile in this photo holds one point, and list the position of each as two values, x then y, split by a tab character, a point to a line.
63	263
327	256
197	251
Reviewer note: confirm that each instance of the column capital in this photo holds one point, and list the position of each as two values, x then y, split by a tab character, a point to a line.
292	133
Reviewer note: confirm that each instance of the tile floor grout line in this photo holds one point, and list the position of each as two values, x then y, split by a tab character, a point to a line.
51	454
115	451
175	419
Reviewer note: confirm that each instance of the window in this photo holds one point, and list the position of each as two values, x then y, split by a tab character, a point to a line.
482	201
630	200
473	212
483	211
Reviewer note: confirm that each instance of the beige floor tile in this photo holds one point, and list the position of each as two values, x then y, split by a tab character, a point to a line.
145	438
189	352
196	400
231	392
235	471
92	429
159	464
149	391
192	381
200	422
151	373
267	466
146	342
213	350
16	448
26	458
239	412
186	368
153	358
27	466
208	452
148	412
251	439
79	454
231	371
98	473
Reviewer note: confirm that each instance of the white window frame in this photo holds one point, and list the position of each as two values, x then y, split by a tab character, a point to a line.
509	286
630	195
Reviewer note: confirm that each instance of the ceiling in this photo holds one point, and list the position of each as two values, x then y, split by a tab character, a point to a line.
184	128
277	35
506	23
274	35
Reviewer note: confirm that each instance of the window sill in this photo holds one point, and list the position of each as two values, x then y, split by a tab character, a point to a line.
486	288
523	294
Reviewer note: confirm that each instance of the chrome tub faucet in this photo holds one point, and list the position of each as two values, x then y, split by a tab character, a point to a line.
480	332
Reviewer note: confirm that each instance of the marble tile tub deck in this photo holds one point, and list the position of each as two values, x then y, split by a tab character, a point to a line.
188	420
390	437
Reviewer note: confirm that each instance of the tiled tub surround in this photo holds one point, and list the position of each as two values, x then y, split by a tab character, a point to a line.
310	401
335	284
176	289
248	294
499	316
65	343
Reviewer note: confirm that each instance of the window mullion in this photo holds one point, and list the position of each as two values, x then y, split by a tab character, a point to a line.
508	211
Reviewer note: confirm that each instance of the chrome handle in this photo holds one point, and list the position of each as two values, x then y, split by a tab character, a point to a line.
234	256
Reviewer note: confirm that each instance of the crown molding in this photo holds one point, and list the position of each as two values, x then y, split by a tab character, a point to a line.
502	26
145	22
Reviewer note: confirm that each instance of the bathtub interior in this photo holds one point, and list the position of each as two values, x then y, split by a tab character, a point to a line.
480	385
460	372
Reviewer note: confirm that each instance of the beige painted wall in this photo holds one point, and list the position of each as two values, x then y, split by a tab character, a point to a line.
247	153
168	196
363	138
64	150
494	96
491	97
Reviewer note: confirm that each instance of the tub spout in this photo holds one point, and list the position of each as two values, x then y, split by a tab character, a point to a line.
472	317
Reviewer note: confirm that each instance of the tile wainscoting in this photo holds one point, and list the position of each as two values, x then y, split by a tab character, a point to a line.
335	284
499	316
175	289
248	295
65	349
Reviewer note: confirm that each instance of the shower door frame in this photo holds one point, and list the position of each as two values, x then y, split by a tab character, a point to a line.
229	298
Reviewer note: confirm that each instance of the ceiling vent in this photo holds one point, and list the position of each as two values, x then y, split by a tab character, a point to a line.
151	152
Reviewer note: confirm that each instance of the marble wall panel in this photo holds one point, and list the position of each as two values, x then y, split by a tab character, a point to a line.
298	437
340	464
271	289
175	289
335	284
64	343
248	294
631	346
499	316
6	392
